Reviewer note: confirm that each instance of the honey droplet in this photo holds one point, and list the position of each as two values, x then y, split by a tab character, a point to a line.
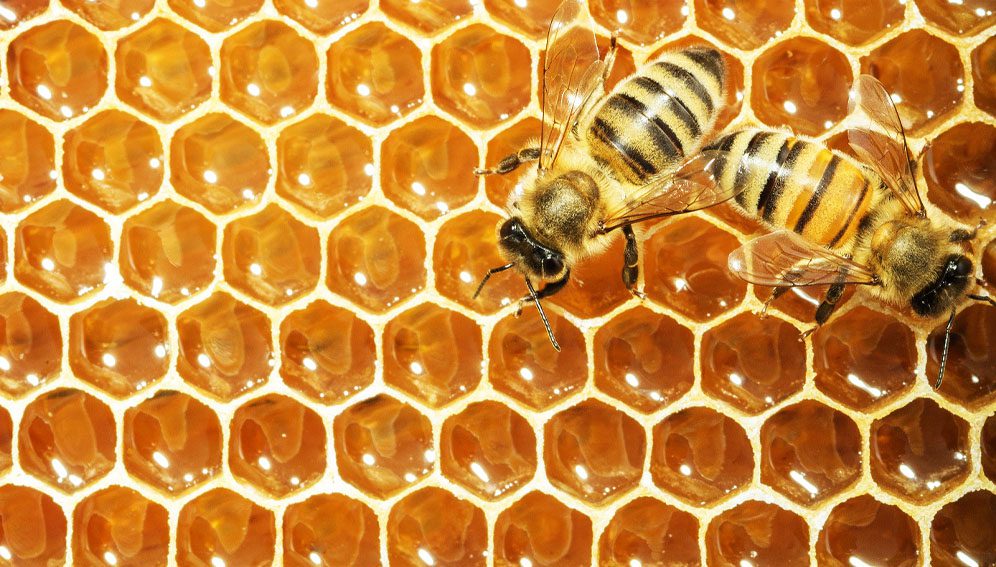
215	15
855	22
30	344
335	529
27	161
428	17
650	532
863	528
968	17
322	16
970	375
964	531
431	526
758	533
466	248
17	11
984	75
32	526
540	530
744	25
958	166
111	15
221	526
118	526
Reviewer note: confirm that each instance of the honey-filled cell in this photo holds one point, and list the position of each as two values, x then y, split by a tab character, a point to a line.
433	527
649	532
32	527
119	526
427	17
964	531
330	529
322	16
110	15
757	533
222	527
855	22
540	530
865	531
30	344
984	75
958	166
466	248
215	15
6	441
27	161
744	25
18	11
989	448
970	374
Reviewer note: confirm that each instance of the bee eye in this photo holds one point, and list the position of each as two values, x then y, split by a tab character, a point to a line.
962	266
552	265
510	230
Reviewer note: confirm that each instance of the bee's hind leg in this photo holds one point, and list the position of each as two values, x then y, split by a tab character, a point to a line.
826	307
510	163
631	262
775	294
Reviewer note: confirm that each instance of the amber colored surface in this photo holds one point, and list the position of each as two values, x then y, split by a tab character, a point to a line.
864	358
958	166
277	445
523	364
219	162
163	70
960	18
745	25
923	71
488	449
989	263
644	359
685	269
984	75
433	354
596	287
965	528
539	530
118	526
477	75
510	140
63	251
427	167
6	441
431	526
854	22
650	532
323	164
700	455
215	15
801	83
119	346
383	445
376	258
271	256
172	442
221	526
32	527
268	71
428	17
27	161
757	533
464	252
67	438
375	74
330	529
30	344
18	11
531	19
989	448
642	23
225	347
870	531
322	16
970	376
110	14
327	352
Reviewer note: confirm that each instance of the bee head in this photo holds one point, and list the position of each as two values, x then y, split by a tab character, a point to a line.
946	289
533	259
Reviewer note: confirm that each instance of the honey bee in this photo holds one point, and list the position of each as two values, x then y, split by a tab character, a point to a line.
841	221
608	160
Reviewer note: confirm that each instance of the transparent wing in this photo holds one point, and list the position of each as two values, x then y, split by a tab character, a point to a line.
693	186
883	147
783	259
572	71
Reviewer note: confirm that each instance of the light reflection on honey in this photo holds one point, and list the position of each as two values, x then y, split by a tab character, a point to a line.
238	252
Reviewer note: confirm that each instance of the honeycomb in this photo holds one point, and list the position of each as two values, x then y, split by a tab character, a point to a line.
238	250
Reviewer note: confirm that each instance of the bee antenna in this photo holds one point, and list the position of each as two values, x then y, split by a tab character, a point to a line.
546	322
944	353
986	298
488	275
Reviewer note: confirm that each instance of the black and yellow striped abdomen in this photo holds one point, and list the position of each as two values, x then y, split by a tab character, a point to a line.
650	121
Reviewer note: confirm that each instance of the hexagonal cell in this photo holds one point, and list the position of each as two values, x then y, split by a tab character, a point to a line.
685	267
328	353
642	23
531	19
57	69
215	15
478	75
644	359
989	448
854	22
221	527
376	259
427	17
864	358
922	73
378	93
30	344
168	252
966	18
498	188
970	375
18	11
34	526
649	532
427	167
119	346
383	446
920	451
593	451
466	248
539	530
801	302
116	526
67	438
110	14
271	256
332	528
433	354
268	71
810	452
488	449
964	531
431	526
595	288
322	16
324	165
219	163
62	251
744	25
984	75
27	161
523	364
700	455
757	533
225	346
163	70
172	442
863	528
957	166
801	83
753	363
277	445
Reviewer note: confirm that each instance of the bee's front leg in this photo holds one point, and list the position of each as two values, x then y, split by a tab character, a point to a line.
631	262
510	163
546	291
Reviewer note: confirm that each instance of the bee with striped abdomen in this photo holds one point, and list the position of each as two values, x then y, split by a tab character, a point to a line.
608	160
846	221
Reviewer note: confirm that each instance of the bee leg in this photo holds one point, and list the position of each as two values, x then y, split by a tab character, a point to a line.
631	262
775	294
826	307
510	163
546	291
610	57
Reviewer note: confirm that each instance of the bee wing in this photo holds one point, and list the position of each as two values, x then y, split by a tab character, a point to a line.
572	71
784	259
693	186
884	149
